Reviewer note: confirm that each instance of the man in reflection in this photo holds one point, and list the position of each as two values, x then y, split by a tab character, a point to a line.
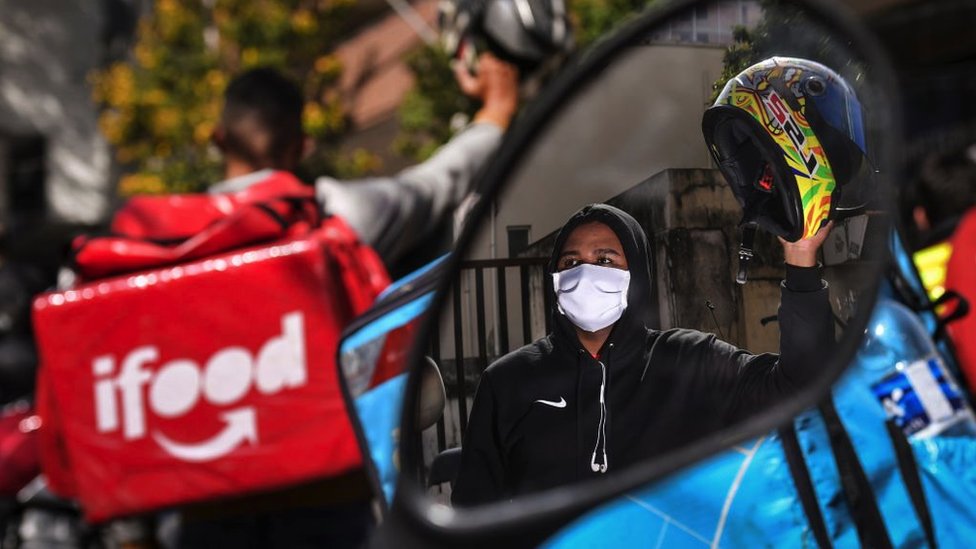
605	390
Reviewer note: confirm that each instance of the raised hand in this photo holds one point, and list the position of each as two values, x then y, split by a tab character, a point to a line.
803	252
495	84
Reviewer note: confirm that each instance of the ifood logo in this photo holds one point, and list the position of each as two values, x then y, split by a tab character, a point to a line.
177	386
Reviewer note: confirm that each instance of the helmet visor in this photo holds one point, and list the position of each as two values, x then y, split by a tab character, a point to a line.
839	108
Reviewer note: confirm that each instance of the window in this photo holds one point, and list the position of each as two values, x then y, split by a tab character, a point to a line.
25	175
711	24
518	239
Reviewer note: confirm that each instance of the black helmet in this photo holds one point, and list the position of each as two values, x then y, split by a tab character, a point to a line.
788	134
527	33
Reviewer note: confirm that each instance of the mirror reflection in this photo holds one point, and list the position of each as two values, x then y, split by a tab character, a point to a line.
680	249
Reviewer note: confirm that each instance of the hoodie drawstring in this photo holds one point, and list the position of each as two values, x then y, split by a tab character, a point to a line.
601	430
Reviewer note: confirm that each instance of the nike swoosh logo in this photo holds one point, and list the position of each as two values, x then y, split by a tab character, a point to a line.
561	403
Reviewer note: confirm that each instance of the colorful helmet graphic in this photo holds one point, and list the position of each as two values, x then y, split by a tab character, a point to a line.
788	135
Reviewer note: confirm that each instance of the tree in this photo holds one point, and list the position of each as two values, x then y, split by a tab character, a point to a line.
159	108
786	30
429	108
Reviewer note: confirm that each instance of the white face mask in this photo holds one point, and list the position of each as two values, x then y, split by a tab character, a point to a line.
592	297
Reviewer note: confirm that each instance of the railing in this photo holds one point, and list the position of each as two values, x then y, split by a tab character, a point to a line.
487	317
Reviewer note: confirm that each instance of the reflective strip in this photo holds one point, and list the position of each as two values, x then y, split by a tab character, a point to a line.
931	263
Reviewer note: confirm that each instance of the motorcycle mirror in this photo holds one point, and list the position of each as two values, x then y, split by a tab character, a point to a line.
623	125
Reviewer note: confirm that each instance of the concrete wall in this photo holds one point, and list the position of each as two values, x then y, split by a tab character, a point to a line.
691	220
641	116
47	48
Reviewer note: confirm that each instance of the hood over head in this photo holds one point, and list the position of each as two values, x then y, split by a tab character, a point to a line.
636	248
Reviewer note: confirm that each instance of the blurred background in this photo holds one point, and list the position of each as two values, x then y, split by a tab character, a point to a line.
106	99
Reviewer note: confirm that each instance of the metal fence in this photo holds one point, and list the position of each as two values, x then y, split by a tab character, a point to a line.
497	306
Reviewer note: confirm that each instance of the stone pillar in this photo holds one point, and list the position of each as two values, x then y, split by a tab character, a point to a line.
692	218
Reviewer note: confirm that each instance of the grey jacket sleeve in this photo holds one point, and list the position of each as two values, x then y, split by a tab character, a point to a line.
394	214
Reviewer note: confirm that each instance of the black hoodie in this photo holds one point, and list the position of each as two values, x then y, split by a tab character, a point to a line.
536	418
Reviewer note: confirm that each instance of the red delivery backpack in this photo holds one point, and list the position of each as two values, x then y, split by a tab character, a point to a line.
961	278
195	359
18	448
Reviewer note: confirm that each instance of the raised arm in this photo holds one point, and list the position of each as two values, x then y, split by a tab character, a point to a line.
743	383
395	214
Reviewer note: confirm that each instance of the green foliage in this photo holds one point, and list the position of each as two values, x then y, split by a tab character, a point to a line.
786	30
594	18
738	57
426	112
159	108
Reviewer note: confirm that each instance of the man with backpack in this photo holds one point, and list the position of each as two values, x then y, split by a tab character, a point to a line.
260	130
260	135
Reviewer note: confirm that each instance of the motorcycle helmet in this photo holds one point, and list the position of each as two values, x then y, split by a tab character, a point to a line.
527	33
788	135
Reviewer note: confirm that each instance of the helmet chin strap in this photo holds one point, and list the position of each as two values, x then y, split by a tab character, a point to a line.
745	252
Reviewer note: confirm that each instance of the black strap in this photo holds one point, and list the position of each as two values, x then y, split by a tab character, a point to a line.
804	487
298	209
961	310
273	214
913	483
860	498
745	252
